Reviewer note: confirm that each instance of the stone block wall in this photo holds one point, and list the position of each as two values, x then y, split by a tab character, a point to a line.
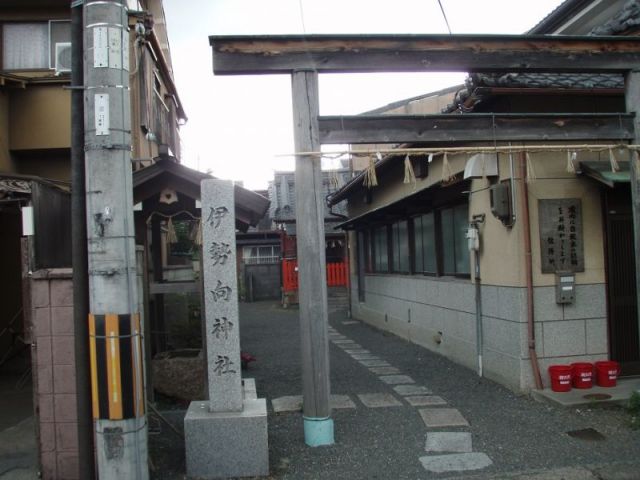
53	363
569	333
439	314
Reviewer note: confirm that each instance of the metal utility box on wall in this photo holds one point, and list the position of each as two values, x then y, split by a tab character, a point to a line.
501	202
565	288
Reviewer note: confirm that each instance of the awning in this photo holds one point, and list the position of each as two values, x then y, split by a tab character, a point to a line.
601	171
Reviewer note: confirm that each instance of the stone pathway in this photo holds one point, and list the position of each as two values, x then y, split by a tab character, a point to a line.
447	451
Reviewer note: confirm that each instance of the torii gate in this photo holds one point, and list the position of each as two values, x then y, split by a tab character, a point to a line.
304	57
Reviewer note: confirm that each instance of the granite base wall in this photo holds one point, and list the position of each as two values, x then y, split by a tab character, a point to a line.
440	315
53	363
50	320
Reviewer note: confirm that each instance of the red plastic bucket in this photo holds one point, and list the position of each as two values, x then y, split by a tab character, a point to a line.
607	373
560	378
582	373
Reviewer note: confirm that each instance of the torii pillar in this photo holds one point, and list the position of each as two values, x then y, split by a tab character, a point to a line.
312	275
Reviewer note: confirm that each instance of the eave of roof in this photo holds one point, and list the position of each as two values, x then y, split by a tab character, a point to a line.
253	204
558	16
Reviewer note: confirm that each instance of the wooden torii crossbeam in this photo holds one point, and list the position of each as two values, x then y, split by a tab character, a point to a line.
305	56
475	127
234	55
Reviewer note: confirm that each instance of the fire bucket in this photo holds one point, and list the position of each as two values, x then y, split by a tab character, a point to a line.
607	373
582	374
560	378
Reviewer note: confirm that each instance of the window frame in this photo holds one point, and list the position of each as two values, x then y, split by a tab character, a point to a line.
440	244
393	268
370	244
49	61
436	272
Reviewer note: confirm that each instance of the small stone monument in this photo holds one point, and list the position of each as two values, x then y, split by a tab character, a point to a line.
225	436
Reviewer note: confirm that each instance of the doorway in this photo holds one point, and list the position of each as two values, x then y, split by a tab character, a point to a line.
621	281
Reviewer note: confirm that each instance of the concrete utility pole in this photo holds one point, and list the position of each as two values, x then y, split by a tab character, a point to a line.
312	274
114	326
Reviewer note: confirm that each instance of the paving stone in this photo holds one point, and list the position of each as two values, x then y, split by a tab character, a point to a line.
406	390
364	356
397	379
384	370
443	417
350	322
374	363
454	442
425	401
342	401
293	403
377	400
455	462
289	403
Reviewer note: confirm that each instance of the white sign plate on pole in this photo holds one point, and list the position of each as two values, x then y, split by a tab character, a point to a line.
115	47
102	113
125	50
100	47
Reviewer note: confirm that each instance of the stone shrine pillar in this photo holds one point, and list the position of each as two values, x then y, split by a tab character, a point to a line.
225	436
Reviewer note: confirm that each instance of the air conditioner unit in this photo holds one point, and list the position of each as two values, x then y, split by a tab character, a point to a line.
63	57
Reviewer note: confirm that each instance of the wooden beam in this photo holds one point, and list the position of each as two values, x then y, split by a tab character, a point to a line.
234	55
474	127
311	255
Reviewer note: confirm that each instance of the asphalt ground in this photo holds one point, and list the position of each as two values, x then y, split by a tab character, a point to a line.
517	433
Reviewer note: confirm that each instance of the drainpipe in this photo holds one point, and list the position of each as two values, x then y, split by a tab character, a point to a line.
529	271
86	466
473	237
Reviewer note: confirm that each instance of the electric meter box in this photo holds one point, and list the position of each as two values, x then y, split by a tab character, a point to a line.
565	288
501	201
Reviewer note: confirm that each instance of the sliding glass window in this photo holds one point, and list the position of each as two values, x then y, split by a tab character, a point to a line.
424	237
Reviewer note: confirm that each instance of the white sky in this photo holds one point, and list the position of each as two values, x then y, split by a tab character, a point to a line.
238	125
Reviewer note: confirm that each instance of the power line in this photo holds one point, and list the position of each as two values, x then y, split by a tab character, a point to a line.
445	16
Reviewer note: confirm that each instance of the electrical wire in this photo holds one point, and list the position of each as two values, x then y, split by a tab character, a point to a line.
445	16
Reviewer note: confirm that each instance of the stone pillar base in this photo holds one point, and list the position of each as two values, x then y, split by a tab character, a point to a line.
229	444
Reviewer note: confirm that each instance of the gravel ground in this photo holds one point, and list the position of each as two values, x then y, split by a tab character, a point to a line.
516	432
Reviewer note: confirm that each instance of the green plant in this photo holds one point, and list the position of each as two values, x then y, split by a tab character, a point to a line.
634	409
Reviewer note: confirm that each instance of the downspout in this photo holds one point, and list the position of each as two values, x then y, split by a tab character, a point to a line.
473	236
531	334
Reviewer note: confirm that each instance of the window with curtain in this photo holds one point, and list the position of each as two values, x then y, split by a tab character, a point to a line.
380	250
424	237
33	45
455	253
25	45
400	246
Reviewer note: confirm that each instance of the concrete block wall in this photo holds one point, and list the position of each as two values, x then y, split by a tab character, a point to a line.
436	313
51	293
569	333
439	314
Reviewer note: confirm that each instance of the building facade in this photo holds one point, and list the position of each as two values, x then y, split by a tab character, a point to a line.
412	268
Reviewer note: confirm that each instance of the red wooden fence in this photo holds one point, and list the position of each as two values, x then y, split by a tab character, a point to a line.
337	274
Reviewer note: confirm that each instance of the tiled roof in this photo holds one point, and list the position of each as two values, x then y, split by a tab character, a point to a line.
626	19
548	80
